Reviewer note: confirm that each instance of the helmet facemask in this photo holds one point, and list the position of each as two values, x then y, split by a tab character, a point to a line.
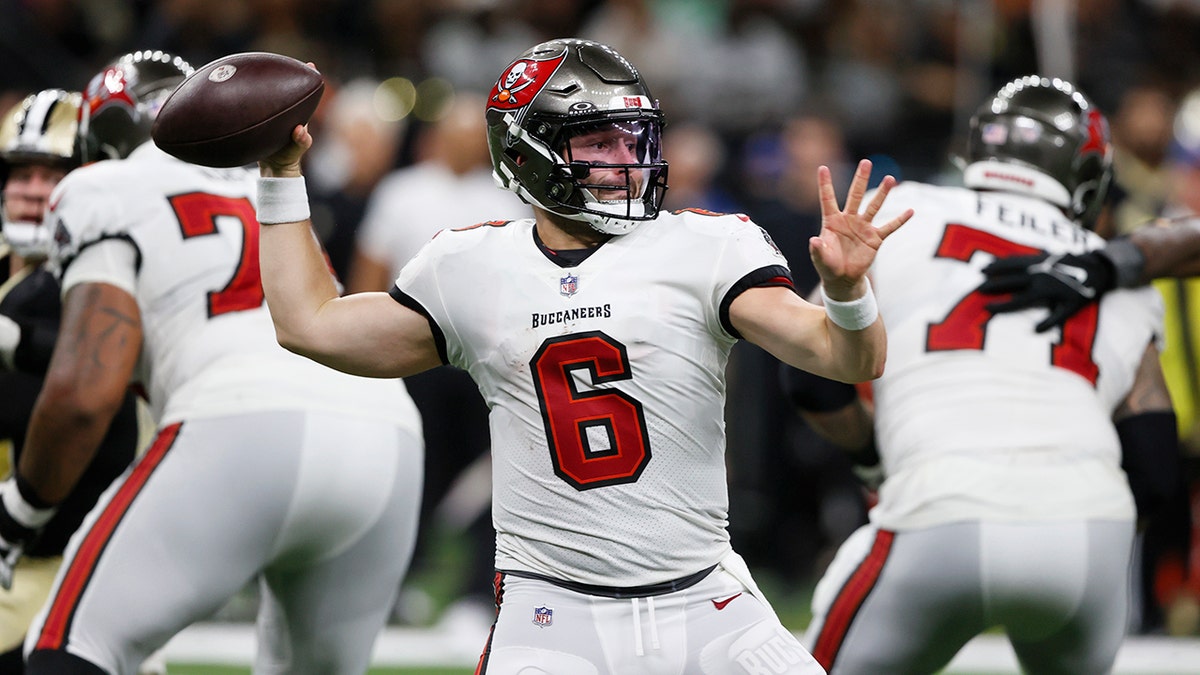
606	193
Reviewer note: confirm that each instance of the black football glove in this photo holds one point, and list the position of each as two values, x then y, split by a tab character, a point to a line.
20	524
1062	283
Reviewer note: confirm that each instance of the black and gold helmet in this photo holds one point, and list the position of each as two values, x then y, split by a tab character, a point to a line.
42	129
560	89
1041	136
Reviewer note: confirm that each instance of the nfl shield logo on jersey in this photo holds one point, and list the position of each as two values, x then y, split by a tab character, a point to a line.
568	285
543	616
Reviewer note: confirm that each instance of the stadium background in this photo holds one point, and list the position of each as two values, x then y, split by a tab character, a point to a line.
759	92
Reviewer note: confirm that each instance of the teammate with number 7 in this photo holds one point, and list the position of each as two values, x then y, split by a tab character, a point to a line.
598	332
266	465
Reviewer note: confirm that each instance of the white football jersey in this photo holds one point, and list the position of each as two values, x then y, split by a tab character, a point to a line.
979	416
206	329
606	384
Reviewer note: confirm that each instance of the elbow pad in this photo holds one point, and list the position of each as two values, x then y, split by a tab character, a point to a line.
1151	460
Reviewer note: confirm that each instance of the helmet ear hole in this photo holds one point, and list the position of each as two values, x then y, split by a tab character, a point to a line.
560	190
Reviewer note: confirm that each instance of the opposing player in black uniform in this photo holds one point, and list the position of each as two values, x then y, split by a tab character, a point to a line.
38	146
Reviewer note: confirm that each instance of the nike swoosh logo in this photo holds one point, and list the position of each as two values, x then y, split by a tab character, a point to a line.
720	604
1074	272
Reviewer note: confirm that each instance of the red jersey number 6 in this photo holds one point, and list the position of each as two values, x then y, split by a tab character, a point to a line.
596	438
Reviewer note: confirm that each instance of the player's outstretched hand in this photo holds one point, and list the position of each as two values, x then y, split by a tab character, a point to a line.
285	163
1064	284
848	241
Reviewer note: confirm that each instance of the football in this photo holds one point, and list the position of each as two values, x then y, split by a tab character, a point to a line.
237	109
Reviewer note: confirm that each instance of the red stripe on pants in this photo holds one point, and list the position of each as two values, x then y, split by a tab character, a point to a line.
62	610
850	599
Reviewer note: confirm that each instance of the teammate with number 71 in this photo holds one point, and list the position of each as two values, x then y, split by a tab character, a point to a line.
1004	503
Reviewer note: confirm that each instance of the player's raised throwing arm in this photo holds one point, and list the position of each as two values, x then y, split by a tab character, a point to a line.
364	333
845	341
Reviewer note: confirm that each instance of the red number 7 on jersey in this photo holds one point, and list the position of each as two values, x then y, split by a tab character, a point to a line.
197	213
965	327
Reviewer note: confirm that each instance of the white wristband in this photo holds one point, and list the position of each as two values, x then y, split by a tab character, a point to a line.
26	514
10	337
854	314
282	200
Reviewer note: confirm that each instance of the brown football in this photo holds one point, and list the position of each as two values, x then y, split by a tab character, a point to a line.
238	109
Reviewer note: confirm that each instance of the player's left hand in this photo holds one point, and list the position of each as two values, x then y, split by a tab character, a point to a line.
1062	283
846	247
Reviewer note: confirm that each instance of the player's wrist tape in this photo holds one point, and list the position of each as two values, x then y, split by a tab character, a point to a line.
23	507
10	337
282	200
853	314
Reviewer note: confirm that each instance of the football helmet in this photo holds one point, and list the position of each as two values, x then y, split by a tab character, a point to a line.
565	89
1043	137
42	129
123	99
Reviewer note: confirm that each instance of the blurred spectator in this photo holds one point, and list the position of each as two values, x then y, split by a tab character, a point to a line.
449	186
198	30
1171	547
861	75
1141	131
749	72
470	39
360	142
791	480
696	156
782	196
47	43
467	48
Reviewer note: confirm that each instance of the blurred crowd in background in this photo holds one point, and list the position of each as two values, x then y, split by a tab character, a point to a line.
757	93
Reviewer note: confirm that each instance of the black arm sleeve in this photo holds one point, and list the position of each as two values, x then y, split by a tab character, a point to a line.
1151	460
37	344
813	392
34	305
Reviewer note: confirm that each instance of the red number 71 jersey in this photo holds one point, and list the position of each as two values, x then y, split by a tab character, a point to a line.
1019	421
